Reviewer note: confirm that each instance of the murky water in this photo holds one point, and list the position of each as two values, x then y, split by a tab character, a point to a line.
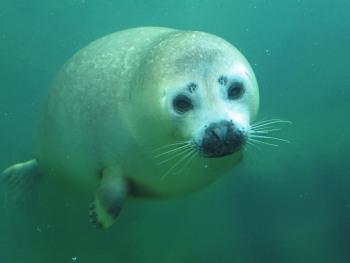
287	204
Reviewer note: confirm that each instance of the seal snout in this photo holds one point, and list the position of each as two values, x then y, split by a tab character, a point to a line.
222	138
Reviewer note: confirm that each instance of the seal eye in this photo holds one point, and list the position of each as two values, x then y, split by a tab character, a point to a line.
235	91
182	104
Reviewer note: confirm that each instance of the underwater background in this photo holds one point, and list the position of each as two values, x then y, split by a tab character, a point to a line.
285	204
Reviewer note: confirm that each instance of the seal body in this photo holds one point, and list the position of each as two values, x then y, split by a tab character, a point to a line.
150	107
105	108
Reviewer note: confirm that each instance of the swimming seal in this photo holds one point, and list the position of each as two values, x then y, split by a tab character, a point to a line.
147	112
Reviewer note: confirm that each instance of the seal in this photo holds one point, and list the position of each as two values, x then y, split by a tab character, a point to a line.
148	111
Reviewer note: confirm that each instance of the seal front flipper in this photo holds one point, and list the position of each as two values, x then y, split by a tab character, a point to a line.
109	198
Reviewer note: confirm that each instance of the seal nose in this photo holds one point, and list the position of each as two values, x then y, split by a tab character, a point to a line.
222	138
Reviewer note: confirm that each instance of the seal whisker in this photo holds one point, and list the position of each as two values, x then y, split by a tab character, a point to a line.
175	155
268	124
170	145
265	126
267	121
253	145
189	160
173	150
262	142
178	163
269	138
259	131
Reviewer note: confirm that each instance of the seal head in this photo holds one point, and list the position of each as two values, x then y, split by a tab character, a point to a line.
203	92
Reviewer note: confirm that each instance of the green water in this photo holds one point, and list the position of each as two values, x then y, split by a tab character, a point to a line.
289	204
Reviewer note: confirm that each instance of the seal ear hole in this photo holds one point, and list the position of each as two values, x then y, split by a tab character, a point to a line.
235	90
182	104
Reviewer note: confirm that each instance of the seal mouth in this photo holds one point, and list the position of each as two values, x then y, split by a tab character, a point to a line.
221	151
221	139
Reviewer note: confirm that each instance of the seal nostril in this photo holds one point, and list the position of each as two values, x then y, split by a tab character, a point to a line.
215	135
218	133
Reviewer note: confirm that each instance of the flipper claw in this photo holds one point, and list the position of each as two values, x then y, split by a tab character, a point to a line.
109	199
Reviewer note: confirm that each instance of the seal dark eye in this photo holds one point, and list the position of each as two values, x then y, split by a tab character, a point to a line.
182	104
235	91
